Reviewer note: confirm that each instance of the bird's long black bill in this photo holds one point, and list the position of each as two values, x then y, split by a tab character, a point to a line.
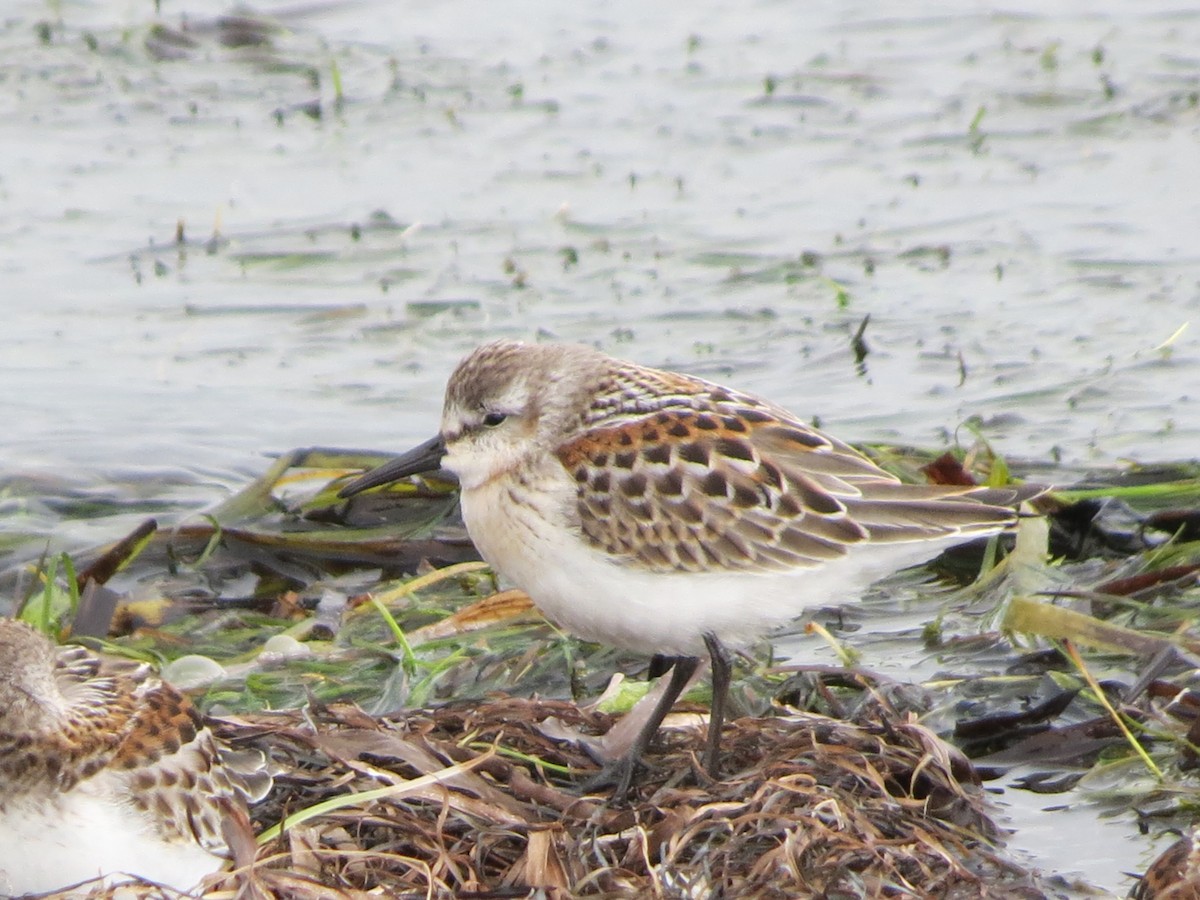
425	458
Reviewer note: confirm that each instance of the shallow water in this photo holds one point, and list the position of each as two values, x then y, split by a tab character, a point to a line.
1023	274
725	188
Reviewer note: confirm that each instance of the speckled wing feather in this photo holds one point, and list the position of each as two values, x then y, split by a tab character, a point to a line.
176	770
1175	874
659	448
121	722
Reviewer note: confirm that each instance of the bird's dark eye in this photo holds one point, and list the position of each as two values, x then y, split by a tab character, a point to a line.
492	419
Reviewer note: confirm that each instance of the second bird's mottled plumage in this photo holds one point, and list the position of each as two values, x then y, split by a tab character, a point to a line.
83	737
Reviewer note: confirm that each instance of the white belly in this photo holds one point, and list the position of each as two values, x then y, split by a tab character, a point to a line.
588	594
86	834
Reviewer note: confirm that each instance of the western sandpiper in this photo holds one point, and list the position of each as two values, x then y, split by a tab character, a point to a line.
107	773
664	514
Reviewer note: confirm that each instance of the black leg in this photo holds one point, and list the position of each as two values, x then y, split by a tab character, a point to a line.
659	663
620	773
721	670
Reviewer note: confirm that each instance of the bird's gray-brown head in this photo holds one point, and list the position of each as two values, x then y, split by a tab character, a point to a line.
509	404
29	695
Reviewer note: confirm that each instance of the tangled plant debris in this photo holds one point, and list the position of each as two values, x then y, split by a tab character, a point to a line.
410	760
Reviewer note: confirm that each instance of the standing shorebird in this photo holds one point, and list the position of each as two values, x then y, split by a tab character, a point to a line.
667	515
108	773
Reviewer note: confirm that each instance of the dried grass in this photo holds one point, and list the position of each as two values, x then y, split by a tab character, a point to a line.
813	807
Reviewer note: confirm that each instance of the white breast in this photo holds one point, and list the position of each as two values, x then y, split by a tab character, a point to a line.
49	844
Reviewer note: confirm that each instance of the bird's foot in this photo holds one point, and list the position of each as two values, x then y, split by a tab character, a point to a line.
615	779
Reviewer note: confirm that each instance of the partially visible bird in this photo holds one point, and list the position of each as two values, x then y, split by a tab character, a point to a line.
106	772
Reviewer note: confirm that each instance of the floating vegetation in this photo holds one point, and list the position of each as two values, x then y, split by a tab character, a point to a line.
398	692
